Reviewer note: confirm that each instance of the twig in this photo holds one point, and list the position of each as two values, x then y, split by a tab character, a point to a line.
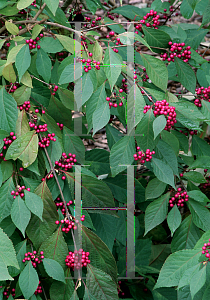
39	12
32	76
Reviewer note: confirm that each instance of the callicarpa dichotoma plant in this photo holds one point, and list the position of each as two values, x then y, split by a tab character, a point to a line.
127	221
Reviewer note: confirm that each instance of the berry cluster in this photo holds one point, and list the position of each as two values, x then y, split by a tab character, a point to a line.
34	257
92	23
19	191
62	206
150	20
34	3
177	50
33	43
67	225
38	128
7	142
37	111
60	125
163	108
143	157
95	64
111	35
119	290
63	54
144	75
192	132
171	9
113	104
206	184
12	86
205	249
45	140
38	289
7	293
179	198
26	105
65	162
77	259
124	85
202	94
55	89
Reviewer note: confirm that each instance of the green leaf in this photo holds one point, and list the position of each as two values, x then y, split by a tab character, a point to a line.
158	125
183	141
53	5
100	256
186	75
67	98
142	252
155	188
189	110
50	45
58	111
73	144
22	126
6	169
22	94
156	212
8	111
195	177
199	147
113	135
43	65
187	276
95	193
70	73
63	291
97	51
28	280
12	28
101	116
87	90
100	284
55	247
39	231
200	214
144	131
23	60
163	171
12	54
121	154
7	256
174	219
20	214
6	199
9	73
156	38
37	28
25	148
156	71
198	196
197	281
166	153
26	79
185	236
54	269
113	65
69	44
206	17
34	203
135	107
174	267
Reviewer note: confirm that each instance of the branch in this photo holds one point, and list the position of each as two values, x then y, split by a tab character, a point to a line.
39	12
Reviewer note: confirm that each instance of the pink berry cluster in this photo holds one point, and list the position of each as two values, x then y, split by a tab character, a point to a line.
12	87
33	43
124	85
202	94
65	162
171	9
163	108
7	142
192	132
26	105
119	290
206	184
38	128
45	140
88	67
150	20
19	191
60	125
179	198
113	104
177	50
205	250
143	157
34	257
7	293
92	23
144	75
77	259
67	225
62	206
64	53
34	3
55	90
111	35
38	289
37	111
84	43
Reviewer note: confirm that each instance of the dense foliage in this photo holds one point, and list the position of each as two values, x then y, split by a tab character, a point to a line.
70	217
